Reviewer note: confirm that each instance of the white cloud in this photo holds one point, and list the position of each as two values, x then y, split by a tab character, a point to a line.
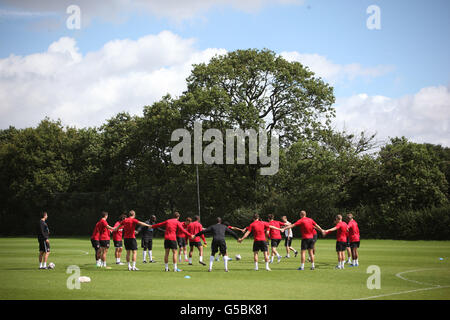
335	73
123	75
173	9
422	117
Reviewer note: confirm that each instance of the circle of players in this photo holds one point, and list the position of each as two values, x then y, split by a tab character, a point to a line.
178	234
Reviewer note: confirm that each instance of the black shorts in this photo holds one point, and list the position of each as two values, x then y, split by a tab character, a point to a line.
147	243
170	244
260	246
197	244
181	242
117	243
43	246
347	244
95	244
218	245
104	243
288	242
315	238
275	242
307	244
354	244
130	243
341	246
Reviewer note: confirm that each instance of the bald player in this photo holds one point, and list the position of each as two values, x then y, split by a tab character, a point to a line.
307	227
341	239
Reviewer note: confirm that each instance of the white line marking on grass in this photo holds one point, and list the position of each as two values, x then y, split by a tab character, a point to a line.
402	292
399	275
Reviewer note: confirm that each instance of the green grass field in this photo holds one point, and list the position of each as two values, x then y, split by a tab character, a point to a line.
409	270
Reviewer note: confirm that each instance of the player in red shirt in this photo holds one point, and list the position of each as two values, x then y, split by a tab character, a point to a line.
353	234
307	227
275	237
117	239
104	230
195	227
95	241
259	229
129	238
341	229
170	239
182	241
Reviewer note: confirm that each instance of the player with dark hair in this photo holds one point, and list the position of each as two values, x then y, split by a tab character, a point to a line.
218	231
170	239
193	228
104	229
275	237
259	229
147	239
353	234
44	244
117	239
95	242
182	241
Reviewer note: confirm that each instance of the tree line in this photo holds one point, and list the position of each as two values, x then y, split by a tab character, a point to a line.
397	189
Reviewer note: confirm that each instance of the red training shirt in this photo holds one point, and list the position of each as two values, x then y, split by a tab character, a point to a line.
194	228
129	226
95	234
353	231
273	233
117	235
103	230
258	228
306	227
172	226
341	232
180	233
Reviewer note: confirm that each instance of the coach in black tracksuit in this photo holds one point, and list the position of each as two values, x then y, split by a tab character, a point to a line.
218	243
147	239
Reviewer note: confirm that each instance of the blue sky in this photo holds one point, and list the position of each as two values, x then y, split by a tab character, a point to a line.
412	46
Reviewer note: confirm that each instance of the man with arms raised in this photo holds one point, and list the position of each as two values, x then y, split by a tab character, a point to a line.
170	239
129	238
259	229
307	227
218	243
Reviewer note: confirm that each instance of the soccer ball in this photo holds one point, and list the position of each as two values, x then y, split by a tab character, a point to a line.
51	265
238	257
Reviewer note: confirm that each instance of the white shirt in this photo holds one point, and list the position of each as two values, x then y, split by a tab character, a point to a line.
288	232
